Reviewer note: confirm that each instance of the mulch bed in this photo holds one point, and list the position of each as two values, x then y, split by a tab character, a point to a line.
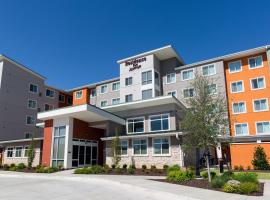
139	172
204	184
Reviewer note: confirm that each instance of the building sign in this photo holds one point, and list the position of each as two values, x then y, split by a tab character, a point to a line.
136	63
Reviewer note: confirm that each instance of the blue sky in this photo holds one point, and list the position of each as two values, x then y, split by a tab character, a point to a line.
78	42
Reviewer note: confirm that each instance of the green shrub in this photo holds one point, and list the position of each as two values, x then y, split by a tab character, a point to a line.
260	161
248	187
118	170
21	166
173	168
227	174
12	165
241	168
131	169
165	167
5	166
230	188
113	166
246	177
205	174
124	166
218	182
14	168
153	168
133	166
85	170
180	176
144	167
106	169
97	169
43	169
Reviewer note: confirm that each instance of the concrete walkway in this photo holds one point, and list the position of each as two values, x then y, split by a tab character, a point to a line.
66	185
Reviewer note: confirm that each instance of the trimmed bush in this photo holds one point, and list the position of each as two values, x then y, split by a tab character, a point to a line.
124	166
218	182
248	187
118	170
85	170
97	169
113	166
205	175
46	169
5	166
21	166
14	168
131	169
246	177
173	168
165	167
133	166
180	176
260	161
230	188
153	168
144	167
12	165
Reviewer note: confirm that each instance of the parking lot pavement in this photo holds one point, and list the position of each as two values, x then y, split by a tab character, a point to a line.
67	186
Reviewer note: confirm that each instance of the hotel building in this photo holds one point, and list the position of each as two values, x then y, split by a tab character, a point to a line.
144	106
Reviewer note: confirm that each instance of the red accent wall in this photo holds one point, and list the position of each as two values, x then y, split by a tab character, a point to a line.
64	104
81	130
46	152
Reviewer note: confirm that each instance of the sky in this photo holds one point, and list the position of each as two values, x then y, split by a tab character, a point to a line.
77	42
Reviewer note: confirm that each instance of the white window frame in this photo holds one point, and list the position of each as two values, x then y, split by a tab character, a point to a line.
171	93
80	91
264	83
187	89
50	105
22	151
235	129
115	99
216	88
133	124
215	72
128	95
124	155
33	118
103	101
170	75
151	71
106	85
117	82
147	147
185	71
52	97
243	86
238	103
169	122
147	90
32	91
13	155
63	98
267	107
235	62
153	147
255	58
31	107
257	129
131	81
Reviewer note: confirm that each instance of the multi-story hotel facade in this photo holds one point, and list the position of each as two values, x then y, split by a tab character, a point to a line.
144	107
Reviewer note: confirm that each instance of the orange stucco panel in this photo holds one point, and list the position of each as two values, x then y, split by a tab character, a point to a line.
85	97
47	142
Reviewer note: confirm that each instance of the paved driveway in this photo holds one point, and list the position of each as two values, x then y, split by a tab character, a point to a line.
14	185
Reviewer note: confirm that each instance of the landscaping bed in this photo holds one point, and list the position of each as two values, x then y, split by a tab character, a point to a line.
21	167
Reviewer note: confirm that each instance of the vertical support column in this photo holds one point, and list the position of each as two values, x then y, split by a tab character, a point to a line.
68	144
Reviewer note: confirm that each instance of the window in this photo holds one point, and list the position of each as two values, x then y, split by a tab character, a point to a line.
30	120
26	151
189	92
140	147
157	78
32	104
69	100
61	98
239	107
212	89
263	127
18	152
93	92
241	129
235	66
208	70
257	83
255	62
135	125
237	87
129	98
104	89
50	93
161	146
159	122
123	147
115	101
187	74
28	135
116	86
147	77
103	103
128	81
48	107
58	146
33	88
10	152
78	94
172	93
170	78
147	94
260	105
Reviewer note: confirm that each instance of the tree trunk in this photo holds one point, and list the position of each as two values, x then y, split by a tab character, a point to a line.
208	168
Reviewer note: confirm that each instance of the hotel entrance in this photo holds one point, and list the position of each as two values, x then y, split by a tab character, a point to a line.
84	152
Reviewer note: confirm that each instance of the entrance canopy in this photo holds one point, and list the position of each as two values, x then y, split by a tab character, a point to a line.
86	112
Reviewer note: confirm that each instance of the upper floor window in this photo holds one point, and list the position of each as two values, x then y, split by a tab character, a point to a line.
171	78
241	129
61	98
93	92
239	107
103	103
187	74
235	66
140	146
116	86
104	89
128	81
30	120
115	101
147	94
32	104
129	98
161	146
33	88
159	122
237	87
135	125
147	77
69	100
78	94
48	107
28	135
172	93
123	147
257	83
208	70
189	92
157	82
263	127
212	89
10	152
255	62
26	151
50	93
260	105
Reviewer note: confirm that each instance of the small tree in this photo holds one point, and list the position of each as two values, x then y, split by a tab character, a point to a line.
206	118
31	153
116	149
260	159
